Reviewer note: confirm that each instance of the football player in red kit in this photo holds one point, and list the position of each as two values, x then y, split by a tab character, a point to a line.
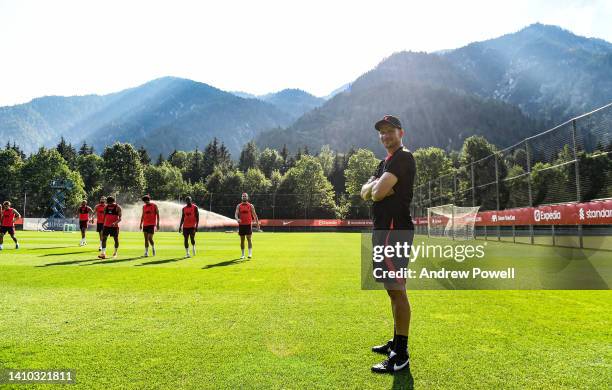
99	209
85	216
112	217
9	216
148	222
190	219
245	213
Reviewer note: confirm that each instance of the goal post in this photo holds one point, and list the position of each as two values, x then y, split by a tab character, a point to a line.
450	221
69	228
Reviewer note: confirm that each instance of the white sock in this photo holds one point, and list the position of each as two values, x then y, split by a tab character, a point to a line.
242	252
103	251
187	250
250	251
193	250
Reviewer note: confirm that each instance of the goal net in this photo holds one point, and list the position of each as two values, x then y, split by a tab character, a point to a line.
450	221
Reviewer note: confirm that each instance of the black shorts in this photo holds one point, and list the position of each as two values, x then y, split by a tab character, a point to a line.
99	227
383	266
112	231
83	225
7	229
245	230
149	229
189	231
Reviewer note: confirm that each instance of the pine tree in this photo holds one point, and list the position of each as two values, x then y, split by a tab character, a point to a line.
67	152
171	155
336	177
144	156
225	158
160	160
85	150
211	156
284	152
249	157
17	149
298	155
195	167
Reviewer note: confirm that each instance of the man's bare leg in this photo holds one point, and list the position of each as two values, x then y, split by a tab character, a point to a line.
250	246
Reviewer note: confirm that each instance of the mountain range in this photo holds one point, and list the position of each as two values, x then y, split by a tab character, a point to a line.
505	88
162	115
546	71
294	102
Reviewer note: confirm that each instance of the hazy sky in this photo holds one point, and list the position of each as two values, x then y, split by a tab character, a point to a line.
64	47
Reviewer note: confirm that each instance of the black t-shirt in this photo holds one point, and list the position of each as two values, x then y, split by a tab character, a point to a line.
394	211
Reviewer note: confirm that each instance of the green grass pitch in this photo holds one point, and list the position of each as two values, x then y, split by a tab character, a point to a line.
292	317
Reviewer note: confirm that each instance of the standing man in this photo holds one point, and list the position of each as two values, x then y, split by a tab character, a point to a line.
245	213
85	215
112	217
9	216
99	209
148	221
391	191
190	219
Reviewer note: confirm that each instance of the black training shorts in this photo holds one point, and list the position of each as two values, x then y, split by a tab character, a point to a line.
381	264
189	231
149	229
112	231
7	229
245	230
99	227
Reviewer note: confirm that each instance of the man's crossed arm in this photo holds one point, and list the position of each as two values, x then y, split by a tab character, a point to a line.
378	189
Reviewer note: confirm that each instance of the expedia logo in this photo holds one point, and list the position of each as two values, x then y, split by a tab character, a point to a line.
327	223
539	215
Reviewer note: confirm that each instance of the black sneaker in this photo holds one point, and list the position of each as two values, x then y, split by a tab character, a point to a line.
394	363
384	349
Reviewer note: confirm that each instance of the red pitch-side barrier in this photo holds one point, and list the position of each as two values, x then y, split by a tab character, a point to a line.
587	213
315	222
597	212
